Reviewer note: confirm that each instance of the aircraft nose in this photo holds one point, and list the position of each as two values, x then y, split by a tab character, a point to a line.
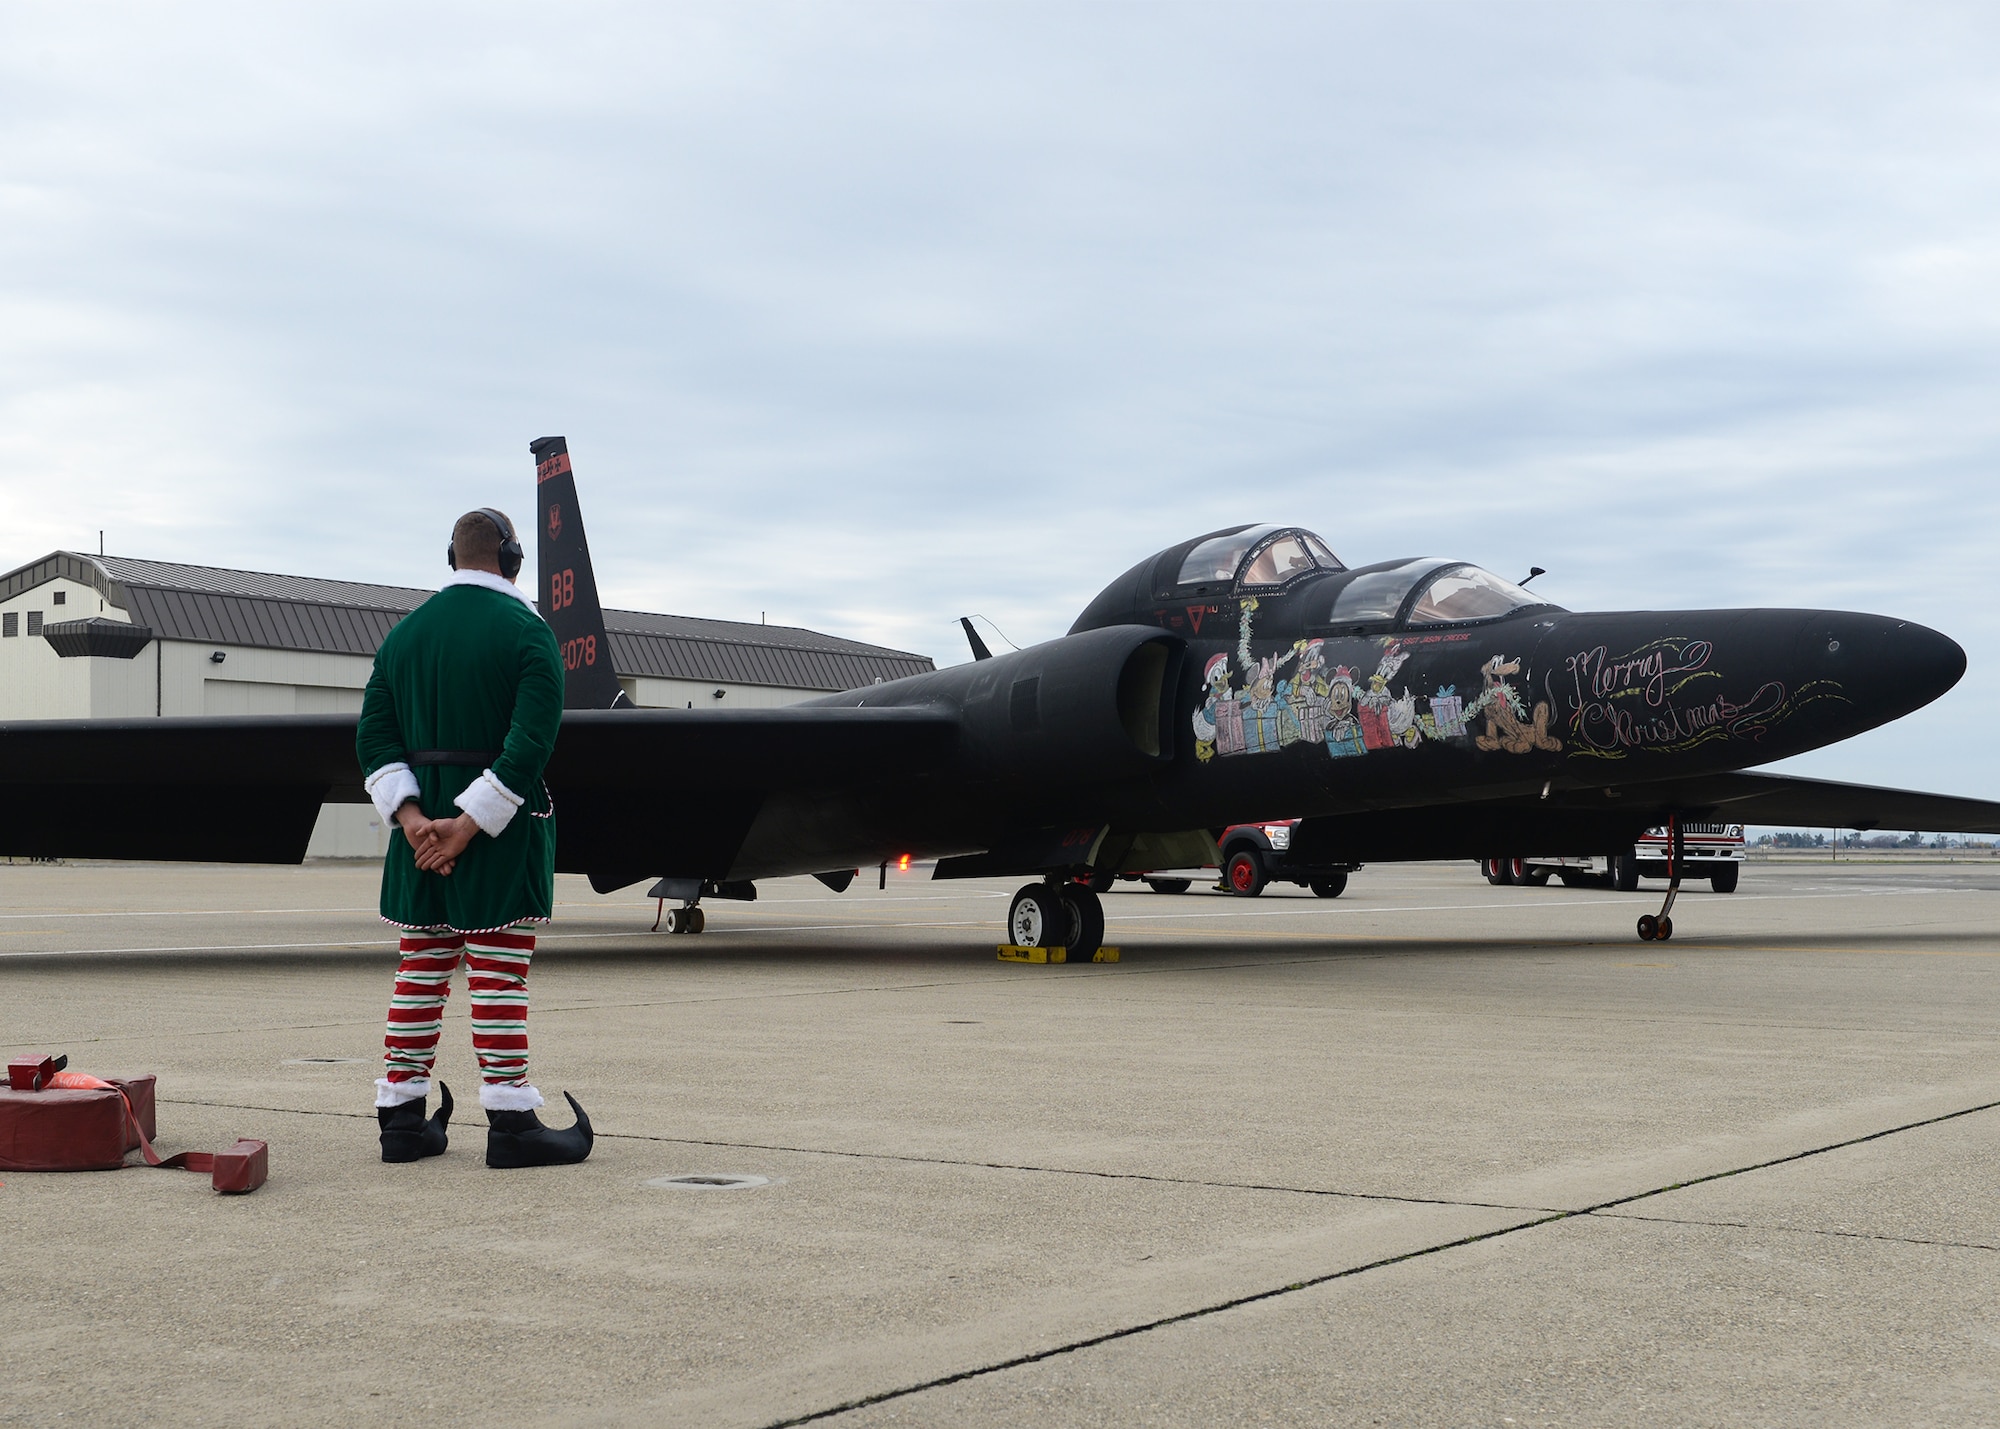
1889	666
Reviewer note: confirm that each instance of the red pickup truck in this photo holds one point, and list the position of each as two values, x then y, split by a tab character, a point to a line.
1253	857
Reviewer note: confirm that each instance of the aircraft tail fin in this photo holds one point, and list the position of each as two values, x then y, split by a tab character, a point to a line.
568	595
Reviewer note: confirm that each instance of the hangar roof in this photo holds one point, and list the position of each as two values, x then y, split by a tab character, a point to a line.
209	604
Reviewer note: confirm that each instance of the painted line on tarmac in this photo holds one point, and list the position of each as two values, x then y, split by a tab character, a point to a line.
1257	1297
544	938
1626	901
198	948
183	913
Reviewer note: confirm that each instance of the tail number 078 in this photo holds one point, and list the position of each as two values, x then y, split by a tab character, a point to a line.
581	651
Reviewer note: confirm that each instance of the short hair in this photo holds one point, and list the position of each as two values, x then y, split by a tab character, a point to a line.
476	538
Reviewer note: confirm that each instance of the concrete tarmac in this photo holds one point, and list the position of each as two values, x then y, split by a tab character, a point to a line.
1432	1153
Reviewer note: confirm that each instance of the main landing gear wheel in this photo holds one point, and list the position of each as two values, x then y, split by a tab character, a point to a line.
1083	917
1655	929
1332	886
1037	918
1169	885
1244	874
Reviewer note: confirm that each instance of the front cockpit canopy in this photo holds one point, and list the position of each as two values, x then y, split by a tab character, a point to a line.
1255	558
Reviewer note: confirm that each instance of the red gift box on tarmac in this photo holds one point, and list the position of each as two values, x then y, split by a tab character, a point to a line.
74	1129
65	1121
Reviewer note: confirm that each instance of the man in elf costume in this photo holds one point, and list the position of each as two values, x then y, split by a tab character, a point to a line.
459	718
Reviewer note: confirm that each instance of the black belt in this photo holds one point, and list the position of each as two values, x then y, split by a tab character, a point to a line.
476	758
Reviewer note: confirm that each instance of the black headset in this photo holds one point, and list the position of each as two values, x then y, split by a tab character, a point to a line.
511	554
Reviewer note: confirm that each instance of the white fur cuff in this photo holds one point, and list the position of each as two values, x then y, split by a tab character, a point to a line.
388	1093
491	803
508	1098
488	581
391	786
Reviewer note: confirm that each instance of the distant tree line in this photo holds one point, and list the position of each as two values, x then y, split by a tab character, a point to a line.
1791	838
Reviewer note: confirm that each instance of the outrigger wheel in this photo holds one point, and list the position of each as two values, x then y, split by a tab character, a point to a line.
1655	929
686	920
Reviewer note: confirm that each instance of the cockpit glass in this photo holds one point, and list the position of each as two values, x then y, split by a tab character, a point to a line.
1468	593
1321	552
1217	558
1378	595
1278	562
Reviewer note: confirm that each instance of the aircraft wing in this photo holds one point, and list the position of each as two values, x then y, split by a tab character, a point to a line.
1788	800
1599	821
247	789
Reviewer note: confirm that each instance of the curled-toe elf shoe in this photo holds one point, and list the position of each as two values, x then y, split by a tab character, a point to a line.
408	1135
518	1138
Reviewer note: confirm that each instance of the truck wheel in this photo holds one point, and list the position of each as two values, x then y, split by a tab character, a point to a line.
1491	867
1169	885
1331	886
1099	881
1244	873
1625	873
1723	880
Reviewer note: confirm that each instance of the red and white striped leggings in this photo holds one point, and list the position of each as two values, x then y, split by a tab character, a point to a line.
496	979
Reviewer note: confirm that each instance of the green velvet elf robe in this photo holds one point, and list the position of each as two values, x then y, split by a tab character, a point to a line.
474	668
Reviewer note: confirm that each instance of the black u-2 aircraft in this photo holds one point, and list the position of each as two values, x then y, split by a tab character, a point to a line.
1408	709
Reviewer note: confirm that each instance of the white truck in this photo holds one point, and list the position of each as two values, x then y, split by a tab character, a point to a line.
1714	852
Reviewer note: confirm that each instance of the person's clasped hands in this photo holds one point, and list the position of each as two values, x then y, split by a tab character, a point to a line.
437	843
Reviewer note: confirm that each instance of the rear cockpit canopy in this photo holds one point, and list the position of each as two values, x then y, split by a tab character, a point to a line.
1425	591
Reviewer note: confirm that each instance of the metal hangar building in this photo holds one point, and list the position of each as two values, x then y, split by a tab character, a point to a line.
102	637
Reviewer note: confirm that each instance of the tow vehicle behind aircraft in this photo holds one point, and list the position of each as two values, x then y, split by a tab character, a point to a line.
1419	708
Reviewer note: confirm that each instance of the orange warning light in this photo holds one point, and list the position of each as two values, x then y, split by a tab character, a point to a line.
903	863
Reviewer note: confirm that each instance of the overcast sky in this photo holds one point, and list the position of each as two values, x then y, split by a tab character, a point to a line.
873	315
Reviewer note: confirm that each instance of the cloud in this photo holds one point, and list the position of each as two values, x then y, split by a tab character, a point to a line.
873	315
